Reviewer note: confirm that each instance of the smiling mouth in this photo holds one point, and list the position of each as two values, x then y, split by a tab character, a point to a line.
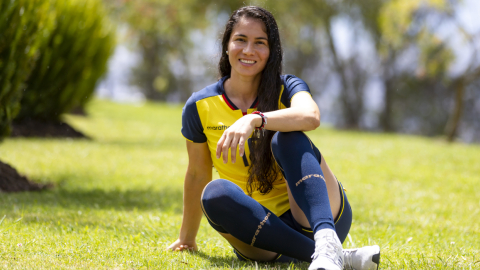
247	61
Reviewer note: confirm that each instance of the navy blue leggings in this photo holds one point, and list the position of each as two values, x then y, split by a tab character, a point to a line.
229	210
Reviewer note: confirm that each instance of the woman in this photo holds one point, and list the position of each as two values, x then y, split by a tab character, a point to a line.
278	200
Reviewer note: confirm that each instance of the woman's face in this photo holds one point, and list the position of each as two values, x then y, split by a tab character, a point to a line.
248	49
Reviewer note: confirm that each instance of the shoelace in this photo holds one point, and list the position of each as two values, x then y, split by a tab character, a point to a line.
328	248
348	259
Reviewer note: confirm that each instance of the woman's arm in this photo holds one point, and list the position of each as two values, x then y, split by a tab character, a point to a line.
199	173
303	115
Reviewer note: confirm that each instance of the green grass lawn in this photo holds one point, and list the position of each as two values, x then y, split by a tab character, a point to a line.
117	200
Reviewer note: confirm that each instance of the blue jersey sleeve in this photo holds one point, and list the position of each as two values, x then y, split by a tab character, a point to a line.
292	85
192	128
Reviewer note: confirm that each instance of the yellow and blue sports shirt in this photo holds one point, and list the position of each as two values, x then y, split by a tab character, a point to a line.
209	112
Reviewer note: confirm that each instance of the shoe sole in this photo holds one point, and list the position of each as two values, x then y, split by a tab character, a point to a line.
376	259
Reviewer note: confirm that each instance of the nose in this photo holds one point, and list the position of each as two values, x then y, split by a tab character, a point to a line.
248	50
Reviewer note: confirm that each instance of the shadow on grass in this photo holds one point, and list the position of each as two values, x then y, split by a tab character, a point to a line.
148	144
233	262
166	199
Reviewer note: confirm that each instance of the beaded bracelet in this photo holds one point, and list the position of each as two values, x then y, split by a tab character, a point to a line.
264	121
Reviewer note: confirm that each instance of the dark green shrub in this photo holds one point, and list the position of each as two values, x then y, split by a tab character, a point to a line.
75	57
23	24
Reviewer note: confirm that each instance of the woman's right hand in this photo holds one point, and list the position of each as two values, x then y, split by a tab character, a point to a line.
236	136
180	245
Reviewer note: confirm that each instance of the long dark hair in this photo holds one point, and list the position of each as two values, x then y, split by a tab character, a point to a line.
263	169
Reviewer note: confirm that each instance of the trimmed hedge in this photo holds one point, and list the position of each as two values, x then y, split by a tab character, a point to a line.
23	23
74	58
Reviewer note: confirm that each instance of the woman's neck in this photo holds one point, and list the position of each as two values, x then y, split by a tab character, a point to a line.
242	91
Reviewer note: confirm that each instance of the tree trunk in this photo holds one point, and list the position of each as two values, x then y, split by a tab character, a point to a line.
352	114
386	116
454	120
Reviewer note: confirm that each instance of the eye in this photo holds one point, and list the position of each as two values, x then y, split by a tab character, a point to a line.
240	39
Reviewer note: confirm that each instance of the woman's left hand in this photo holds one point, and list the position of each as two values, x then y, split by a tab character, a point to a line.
237	135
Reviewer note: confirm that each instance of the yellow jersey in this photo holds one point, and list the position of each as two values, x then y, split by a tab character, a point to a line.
209	112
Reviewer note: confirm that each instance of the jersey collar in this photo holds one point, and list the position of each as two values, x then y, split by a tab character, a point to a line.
227	100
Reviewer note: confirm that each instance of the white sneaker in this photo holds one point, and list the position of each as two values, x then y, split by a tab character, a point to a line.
328	251
365	258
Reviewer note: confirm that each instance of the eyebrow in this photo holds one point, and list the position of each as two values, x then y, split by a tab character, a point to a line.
242	35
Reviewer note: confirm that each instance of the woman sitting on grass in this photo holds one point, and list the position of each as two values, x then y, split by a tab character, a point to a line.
278	200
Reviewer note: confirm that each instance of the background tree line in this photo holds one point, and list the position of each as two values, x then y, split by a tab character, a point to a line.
386	65
405	53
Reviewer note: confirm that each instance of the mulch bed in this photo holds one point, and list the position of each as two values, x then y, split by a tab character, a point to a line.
36	128
12	181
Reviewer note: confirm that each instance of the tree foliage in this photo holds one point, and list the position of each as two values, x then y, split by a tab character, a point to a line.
22	26
161	29
394	44
75	55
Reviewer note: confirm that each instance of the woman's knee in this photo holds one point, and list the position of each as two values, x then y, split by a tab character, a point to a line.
218	193
281	138
286	143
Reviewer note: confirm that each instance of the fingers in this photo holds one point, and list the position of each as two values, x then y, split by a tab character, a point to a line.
235	136
184	247
226	142
219	145
241	146
225	147
233	147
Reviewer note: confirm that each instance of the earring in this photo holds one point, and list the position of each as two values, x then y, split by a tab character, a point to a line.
226	52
